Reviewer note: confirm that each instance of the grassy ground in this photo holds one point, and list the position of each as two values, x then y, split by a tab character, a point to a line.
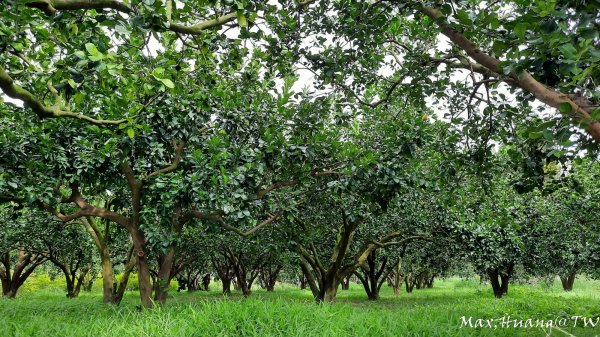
292	312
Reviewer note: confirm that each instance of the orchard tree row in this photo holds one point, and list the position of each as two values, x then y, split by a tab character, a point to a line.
380	140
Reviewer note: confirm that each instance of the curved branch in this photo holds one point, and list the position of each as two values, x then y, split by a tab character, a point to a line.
178	150
291	182
50	7
524	79
14	91
254	229
199	27
86	209
375	104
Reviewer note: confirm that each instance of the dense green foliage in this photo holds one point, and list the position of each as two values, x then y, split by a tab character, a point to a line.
163	144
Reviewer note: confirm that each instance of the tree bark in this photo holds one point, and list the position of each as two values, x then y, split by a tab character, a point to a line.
206	282
346	283
119	290
409	283
328	290
302	282
493	274
139	243
225	273
372	276
567	281
13	278
165	264
429	281
500	286
268	276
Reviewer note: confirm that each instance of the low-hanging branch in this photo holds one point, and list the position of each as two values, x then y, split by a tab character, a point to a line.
178	149
14	91
218	217
85	210
361	257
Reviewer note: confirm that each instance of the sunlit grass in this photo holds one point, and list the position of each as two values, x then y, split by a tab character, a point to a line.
292	312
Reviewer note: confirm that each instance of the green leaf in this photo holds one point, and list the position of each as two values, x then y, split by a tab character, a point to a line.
520	30
507	69
242	21
95	55
72	83
158	73
131	132
18	46
91	48
80	54
168	83
463	17
568	50
565	107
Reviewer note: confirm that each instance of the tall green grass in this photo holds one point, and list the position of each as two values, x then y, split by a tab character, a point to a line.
292	312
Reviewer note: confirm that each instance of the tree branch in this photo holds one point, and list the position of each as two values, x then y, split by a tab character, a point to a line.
50	7
524	80
291	182
14	91
199	27
254	229
178	150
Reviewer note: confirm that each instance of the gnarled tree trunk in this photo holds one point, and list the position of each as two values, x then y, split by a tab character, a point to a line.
225	273
500	286
268	276
372	276
567	281
13	278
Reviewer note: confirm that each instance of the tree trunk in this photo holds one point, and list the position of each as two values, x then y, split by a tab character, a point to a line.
421	280
70	286
101	242
504	284
395	278
302	282
108	280
268	276
206	282
79	282
89	280
165	263
409	283
119	290
26	264
346	283
567	281
226	281
330	292
246	290
429	282
493	274
139	243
